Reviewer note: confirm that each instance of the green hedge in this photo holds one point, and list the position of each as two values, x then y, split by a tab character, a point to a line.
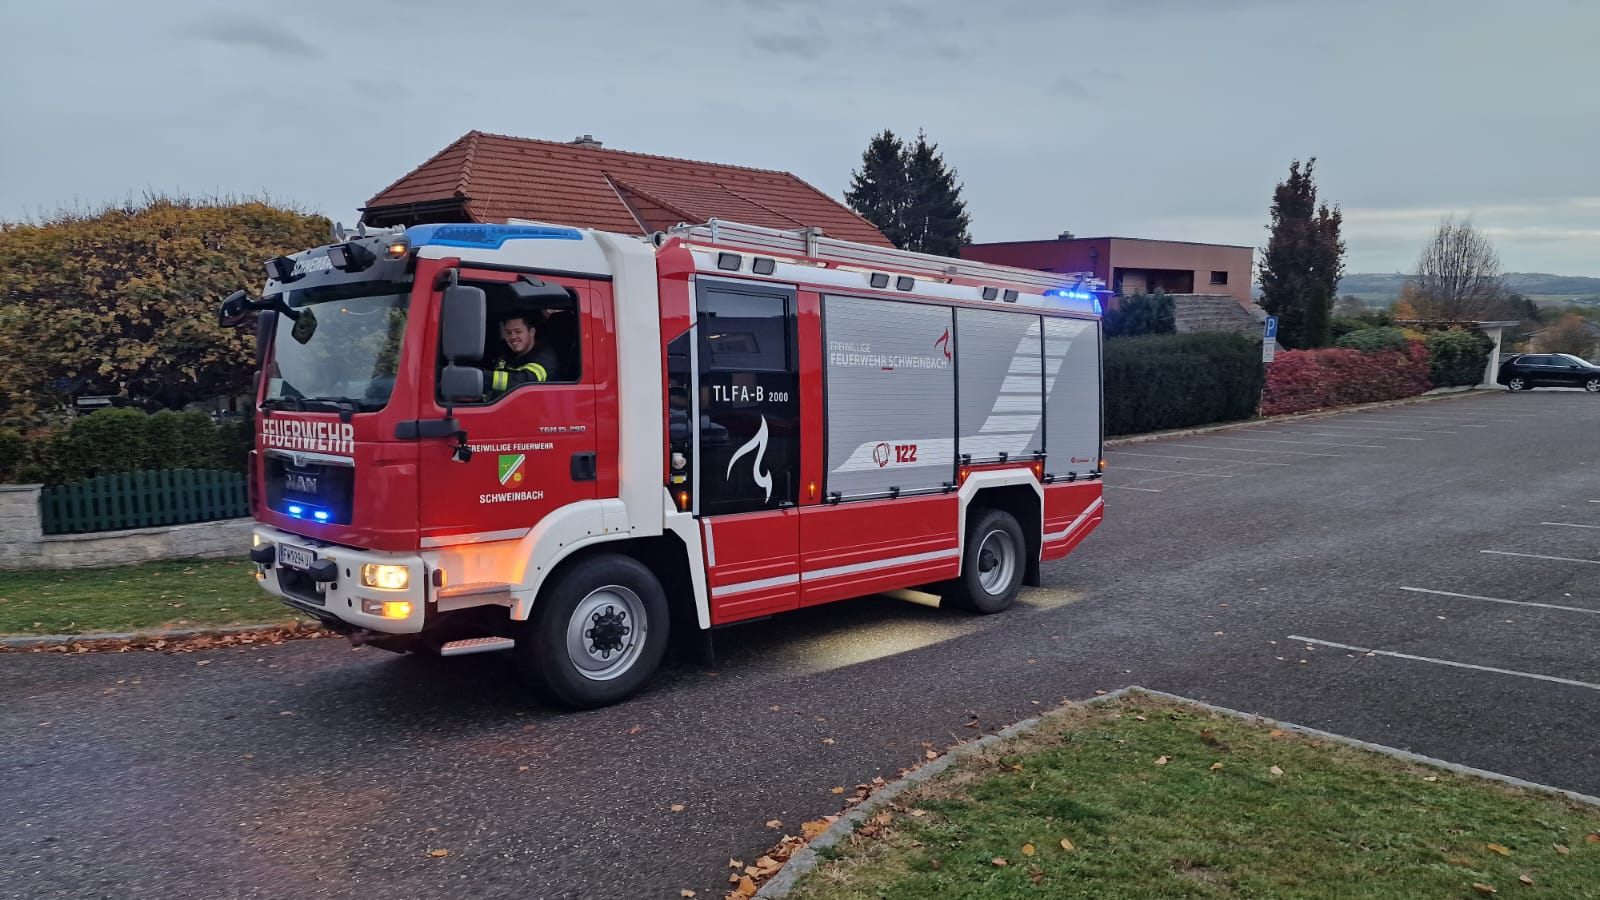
1138	314
1372	340
1158	382
112	441
1459	357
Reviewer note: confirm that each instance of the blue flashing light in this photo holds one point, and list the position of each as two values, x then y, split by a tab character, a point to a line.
1097	308
1072	295
297	510
485	237
301	512
320	516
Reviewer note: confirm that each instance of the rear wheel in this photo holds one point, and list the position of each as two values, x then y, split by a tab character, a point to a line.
596	634
1592	385
992	564
1517	383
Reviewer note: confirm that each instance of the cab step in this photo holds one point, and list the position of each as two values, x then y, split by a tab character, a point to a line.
477	645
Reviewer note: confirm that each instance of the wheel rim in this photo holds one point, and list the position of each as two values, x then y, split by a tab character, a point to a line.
1515	384
997	562
606	633
1592	385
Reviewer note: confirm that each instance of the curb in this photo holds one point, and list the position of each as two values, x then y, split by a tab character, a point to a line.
804	860
53	640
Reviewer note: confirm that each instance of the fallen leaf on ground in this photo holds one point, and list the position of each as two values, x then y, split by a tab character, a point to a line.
999	861
931	755
918	813
1216	766
774	823
1562	849
1027	849
686	893
1277	732
203	662
1593	838
522	768
636	729
1066	844
837	790
438	854
746	888
1163	760
1140	719
249	756
1525	880
1275	770
813	828
1498	848
1484	888
933	863
827	740
1431	778
735	864
677	807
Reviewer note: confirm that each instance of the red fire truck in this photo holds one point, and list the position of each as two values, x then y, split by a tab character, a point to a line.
732	422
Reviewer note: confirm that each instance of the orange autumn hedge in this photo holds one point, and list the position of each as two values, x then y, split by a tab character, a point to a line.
1301	380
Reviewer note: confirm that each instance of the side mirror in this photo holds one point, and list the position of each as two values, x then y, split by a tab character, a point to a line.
465	321
234	309
461	383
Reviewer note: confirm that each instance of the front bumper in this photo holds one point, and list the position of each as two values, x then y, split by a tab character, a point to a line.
345	599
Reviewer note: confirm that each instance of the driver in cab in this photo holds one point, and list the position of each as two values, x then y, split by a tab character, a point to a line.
520	363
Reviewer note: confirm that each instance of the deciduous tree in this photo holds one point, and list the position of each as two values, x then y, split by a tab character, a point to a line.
1458	276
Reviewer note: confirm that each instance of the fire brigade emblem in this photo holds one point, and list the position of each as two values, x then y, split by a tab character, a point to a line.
511	467
880	455
943	343
759	445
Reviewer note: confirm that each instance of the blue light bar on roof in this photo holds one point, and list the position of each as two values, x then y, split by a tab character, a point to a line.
486	237
1087	296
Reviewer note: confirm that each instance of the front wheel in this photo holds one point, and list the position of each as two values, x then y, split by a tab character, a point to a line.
1592	385
596	635
992	564
1517	384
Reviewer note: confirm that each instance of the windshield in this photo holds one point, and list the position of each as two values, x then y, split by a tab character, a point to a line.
339	347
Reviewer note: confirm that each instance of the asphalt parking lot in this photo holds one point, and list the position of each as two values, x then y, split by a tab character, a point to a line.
1424	576
1447	598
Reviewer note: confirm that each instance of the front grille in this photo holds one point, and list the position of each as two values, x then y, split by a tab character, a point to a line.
311	488
299	585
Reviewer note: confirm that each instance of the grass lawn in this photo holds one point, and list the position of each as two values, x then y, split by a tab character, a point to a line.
169	594
1159	801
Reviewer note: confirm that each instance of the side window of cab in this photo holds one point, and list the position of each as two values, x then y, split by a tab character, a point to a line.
533	335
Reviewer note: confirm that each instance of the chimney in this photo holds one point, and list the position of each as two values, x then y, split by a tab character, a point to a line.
1064	236
586	141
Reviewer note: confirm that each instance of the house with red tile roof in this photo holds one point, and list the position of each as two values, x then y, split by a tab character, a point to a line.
494	178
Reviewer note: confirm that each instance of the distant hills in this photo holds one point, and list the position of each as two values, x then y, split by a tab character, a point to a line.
1372	286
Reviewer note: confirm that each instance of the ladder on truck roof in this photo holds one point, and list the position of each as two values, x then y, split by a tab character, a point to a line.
809	242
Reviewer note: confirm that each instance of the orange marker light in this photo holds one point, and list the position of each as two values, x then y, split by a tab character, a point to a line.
396	609
683	501
813	490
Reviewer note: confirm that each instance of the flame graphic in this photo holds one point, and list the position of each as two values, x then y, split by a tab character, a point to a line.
759	445
944	339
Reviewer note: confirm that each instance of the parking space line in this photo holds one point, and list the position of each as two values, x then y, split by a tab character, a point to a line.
1250	450
1385	430
1306	443
1436	424
1382	434
1170	472
1569	525
1592	562
1236	462
1448	662
1124	487
1576	609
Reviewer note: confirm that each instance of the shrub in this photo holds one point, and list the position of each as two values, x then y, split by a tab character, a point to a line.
1369	339
1175	381
1139	314
13	450
1301	380
127	440
1459	357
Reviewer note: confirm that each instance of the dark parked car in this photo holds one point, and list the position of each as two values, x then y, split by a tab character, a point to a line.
1531	370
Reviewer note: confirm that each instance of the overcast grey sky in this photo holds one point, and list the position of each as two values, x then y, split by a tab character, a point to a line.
1142	118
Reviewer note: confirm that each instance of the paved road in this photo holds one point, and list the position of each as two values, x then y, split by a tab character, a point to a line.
1230	565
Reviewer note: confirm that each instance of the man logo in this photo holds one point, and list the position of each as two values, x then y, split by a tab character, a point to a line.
880	455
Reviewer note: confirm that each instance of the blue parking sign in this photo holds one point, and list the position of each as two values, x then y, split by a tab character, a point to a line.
1272	327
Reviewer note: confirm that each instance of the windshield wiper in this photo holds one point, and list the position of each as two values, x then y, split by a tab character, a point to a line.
344	405
293	403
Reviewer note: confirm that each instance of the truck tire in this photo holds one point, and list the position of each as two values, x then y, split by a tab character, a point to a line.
992	564
597	633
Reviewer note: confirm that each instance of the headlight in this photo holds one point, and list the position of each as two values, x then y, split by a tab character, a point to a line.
385	577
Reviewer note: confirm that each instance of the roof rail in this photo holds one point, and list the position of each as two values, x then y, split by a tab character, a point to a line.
809	242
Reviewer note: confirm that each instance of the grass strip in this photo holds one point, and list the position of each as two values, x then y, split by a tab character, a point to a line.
186	593
1146	799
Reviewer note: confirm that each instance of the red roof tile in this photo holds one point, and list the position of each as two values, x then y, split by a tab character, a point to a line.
500	177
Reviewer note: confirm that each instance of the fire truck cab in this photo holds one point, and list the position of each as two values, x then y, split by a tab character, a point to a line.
725	422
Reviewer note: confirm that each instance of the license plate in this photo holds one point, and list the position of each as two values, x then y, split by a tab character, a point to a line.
295	557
